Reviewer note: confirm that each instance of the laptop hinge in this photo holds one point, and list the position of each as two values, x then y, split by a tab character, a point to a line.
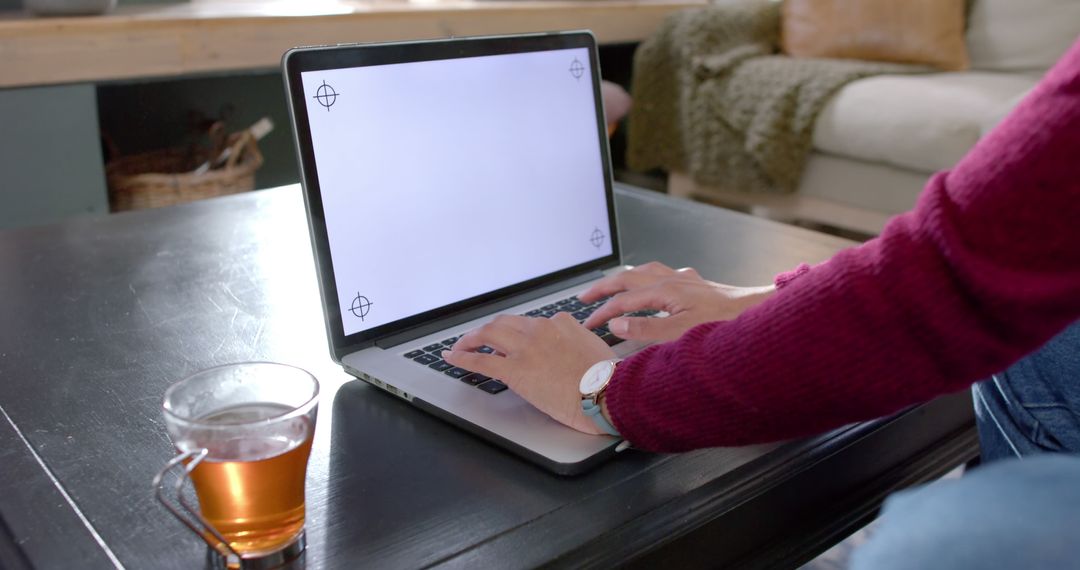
416	332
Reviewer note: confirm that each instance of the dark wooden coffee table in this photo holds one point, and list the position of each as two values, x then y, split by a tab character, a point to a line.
98	316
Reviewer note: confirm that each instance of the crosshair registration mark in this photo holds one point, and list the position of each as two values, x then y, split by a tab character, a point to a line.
597	238
326	96
360	306
577	69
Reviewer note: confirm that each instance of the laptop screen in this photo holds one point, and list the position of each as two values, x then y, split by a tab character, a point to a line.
444	180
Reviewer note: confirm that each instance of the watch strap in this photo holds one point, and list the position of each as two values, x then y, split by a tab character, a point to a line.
592	410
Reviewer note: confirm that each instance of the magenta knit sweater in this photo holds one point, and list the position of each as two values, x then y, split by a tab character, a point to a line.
984	270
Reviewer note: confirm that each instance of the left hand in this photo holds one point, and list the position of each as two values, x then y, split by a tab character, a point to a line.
687	298
542	360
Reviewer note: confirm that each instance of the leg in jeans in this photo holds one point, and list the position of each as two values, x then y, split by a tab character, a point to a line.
1010	514
1034	406
1023	509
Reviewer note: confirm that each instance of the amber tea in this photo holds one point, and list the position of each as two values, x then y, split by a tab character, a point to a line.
244	433
252	489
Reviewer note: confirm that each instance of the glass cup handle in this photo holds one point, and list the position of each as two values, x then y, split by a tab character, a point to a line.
194	521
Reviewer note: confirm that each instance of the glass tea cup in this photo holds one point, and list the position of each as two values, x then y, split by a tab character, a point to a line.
244	433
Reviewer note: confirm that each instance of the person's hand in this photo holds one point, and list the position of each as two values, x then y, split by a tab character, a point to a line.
541	359
688	299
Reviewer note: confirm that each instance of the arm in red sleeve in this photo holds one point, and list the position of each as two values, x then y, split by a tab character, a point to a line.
983	271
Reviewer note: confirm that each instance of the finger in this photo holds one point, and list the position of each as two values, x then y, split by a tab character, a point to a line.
560	317
627	302
655	268
498	334
650	329
516	322
625	281
562	321
506	323
468	341
603	288
486	364
688	272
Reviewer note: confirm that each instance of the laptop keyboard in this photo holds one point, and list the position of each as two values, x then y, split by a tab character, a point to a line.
431	355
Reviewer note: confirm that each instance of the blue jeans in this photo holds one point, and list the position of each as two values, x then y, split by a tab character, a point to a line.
1034	406
1010	514
1007	513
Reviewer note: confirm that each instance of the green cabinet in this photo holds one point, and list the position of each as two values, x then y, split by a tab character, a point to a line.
50	155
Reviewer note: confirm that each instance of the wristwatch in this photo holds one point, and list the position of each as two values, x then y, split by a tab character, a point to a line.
593	383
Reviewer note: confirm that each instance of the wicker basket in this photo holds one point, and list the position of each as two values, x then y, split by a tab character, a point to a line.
172	176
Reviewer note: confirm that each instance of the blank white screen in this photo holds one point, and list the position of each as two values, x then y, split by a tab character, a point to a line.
444	180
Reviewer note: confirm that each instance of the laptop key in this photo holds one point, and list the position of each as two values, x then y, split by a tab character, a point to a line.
534	313
414	353
438	353
426	359
434	347
611	339
581	315
457	372
440	366
450	341
475	378
562	302
493	386
547	307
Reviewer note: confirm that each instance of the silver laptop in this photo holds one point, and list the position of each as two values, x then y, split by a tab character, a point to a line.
446	182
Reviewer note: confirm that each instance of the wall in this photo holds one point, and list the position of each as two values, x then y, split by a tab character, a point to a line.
50	155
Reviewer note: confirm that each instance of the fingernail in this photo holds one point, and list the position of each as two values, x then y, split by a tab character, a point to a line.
619	326
447	354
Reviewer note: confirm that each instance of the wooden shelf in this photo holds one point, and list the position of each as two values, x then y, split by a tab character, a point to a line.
211	36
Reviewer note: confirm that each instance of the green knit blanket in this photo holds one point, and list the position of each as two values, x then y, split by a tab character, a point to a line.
712	99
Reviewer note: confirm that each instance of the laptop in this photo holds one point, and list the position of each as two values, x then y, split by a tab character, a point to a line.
445	182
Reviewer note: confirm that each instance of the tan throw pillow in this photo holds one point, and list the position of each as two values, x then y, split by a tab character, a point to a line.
928	32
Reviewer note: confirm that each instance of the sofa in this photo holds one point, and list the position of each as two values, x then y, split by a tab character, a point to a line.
878	139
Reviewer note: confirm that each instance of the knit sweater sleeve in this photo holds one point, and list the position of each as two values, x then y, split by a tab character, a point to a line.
984	270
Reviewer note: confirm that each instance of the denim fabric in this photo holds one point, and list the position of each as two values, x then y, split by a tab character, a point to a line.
1008	513
1015	514
1034	406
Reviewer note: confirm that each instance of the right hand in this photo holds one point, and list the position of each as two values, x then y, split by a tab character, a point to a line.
688	299
542	360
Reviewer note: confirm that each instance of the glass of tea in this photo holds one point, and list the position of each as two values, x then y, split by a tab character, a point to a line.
243	433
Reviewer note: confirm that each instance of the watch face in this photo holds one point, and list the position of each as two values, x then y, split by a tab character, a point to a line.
595	378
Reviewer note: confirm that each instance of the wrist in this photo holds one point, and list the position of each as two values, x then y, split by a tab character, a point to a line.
754	296
604	411
593	385
759	294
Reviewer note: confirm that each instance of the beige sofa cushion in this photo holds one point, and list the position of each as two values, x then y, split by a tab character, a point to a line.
1007	35
920	122
929	32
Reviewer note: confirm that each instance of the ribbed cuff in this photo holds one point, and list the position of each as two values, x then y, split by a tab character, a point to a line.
783	279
